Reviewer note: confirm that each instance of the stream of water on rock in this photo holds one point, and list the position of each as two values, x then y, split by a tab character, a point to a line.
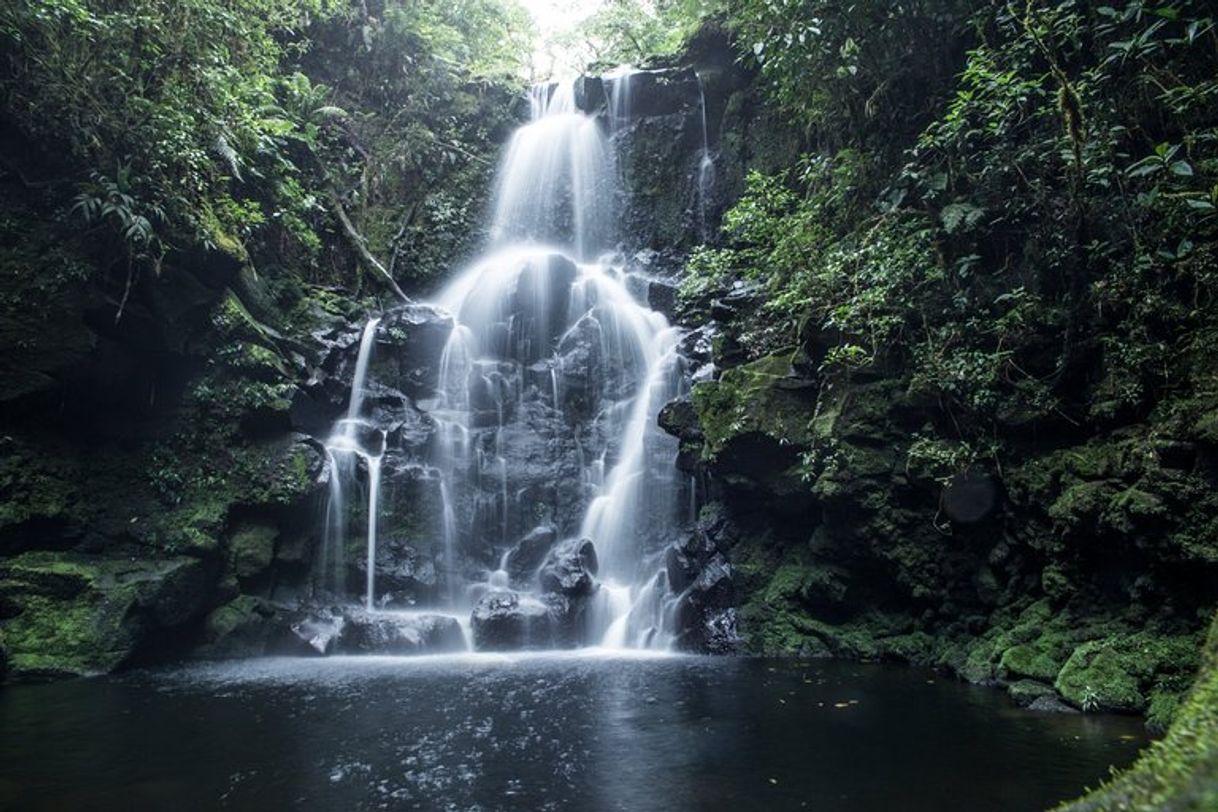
558	489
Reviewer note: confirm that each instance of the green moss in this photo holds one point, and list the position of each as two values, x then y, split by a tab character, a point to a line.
750	399
1179	772
1162	709
1083	502
1119	673
29	488
252	548
254	361
76	614
1026	691
1039	660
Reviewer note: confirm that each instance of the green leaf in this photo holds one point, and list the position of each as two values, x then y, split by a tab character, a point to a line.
957	215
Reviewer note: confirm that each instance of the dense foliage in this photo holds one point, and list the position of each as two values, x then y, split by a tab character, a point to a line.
1042	210
201	123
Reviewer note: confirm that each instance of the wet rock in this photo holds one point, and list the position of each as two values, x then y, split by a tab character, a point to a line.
249	626
664	92
568	619
542	298
317	631
570	569
1024	692
702	622
720	632
409	341
698	345
405	426
662	297
392	633
579	368
404	575
509	621
684	559
1050	704
589	93
680	419
526	557
243	627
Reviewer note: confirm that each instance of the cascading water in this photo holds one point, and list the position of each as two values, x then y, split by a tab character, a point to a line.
545	403
619	87
353	440
706	166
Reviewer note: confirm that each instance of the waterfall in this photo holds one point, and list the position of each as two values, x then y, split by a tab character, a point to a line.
353	439
706	166
548	385
618	87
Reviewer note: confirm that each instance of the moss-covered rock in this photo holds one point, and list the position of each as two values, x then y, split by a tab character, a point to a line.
243	627
252	548
1121	672
1179	772
1026	691
764	397
70	614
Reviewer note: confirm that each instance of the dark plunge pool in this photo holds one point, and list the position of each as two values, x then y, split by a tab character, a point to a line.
570	732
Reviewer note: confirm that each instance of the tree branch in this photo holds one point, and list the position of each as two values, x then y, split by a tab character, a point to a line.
360	245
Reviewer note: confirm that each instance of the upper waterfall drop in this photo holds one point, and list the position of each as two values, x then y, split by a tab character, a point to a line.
556	184
557	492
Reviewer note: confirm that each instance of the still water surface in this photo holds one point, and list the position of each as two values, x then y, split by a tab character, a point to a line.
543	732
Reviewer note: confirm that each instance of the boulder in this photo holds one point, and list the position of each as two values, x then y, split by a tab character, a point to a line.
680	419
542	298
67	614
1050	704
1025	692
526	557
509	621
570	569
311	632
589	93
720	632
393	633
568	619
